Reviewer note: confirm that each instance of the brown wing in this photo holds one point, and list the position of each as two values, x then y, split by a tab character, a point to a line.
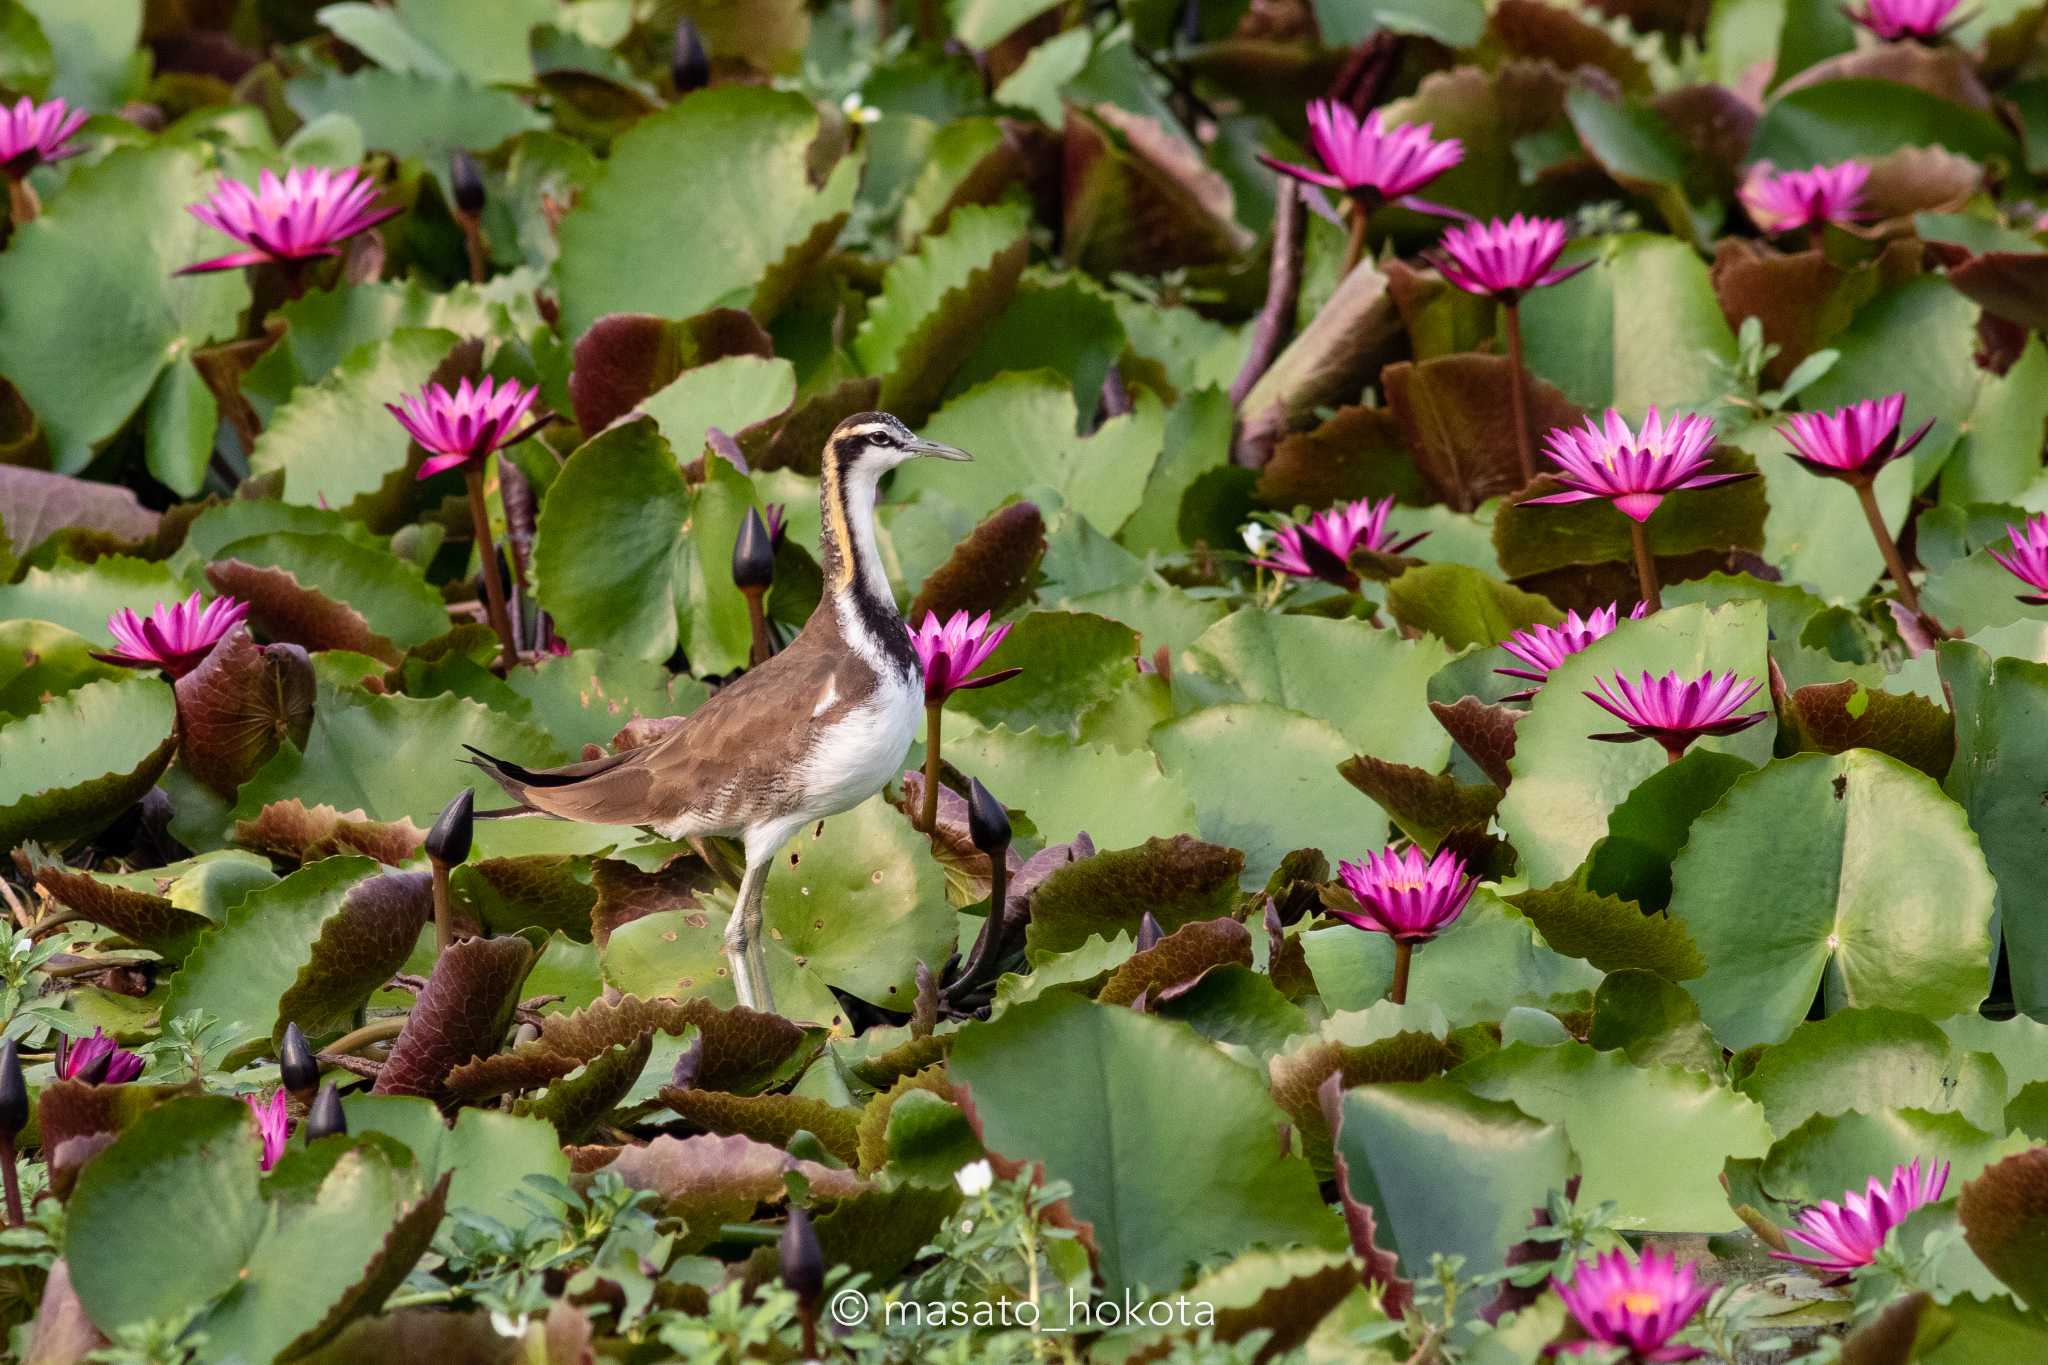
733	758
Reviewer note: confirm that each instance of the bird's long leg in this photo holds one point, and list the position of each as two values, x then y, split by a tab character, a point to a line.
752	904
741	949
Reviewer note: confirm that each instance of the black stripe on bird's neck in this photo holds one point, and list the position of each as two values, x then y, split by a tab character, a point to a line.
846	554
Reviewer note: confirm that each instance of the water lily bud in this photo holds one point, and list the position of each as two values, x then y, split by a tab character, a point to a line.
13	1092
326	1118
753	554
803	1263
295	1064
988	824
466	179
689	65
1149	932
94	1071
448	841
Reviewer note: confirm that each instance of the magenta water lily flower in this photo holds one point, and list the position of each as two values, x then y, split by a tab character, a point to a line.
1910	20
1321	547
1542	648
2028	558
98	1059
466	425
1675	711
1852	443
1841	1237
951	651
1637	1305
273	1124
1786	201
1365	157
34	134
1406	895
1634	470
1506	258
175	637
306	215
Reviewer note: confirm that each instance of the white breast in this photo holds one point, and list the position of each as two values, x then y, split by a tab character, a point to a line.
857	755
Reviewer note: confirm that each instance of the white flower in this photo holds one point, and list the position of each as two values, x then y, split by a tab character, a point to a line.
1257	536
975	1178
858	110
507	1326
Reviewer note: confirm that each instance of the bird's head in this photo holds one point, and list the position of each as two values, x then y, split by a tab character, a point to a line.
870	443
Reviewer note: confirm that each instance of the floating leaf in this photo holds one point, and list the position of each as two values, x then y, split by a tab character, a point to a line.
461	1014
77	764
1611	933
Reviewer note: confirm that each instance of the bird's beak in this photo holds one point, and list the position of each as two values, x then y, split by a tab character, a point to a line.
938	450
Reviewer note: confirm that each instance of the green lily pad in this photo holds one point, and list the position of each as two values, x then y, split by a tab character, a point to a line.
77	764
1876	884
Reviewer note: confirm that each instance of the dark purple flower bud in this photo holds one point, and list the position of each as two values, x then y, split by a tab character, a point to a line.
988	824
689	65
1149	932
326	1118
13	1092
753	553
466	181
448	841
803	1262
295	1064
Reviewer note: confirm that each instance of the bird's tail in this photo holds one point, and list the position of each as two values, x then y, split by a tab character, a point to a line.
590	790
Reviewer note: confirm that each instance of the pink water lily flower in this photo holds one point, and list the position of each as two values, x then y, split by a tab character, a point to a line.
1364	157
307	214
1916	20
1542	648
466	425
1852	443
34	134
1786	201
1637	1305
97	1059
1843	1236
2028	558
1675	711
1322	546
175	637
1506	258
273	1124
1406	895
952	650
1635	470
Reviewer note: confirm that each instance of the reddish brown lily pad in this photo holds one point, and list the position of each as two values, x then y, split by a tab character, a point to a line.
708	1181
358	949
992	570
1427	806
1173	966
871	1132
290	831
238	706
1176	880
1802	299
284	609
2004	1213
773	1119
625	893
462	1013
1358	453
1297	1077
1485	731
138	916
1140	198
1544	32
551	892
1457	415
624	357
1833	717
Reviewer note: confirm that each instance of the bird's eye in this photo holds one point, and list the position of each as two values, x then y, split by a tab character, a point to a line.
884	440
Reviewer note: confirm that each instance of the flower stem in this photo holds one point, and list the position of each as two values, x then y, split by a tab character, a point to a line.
376	1031
1646	565
1518	393
22	204
444	925
13	1179
1354	251
928	820
1404	954
487	552
1866	493
763	646
473	240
